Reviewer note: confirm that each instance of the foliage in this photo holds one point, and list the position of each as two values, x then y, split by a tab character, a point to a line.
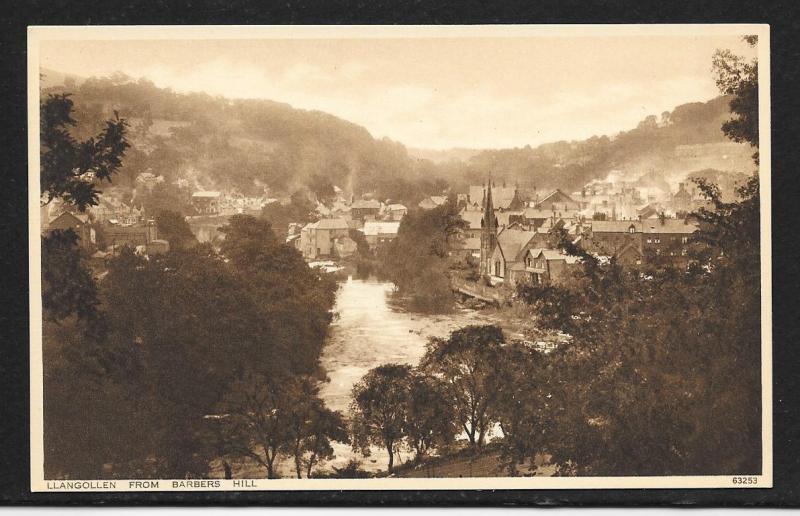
417	260
466	364
662	375
299	210
255	412
69	167
172	226
322	188
431	418
736	76
379	410
165	197
310	426
68	287
294	300
522	408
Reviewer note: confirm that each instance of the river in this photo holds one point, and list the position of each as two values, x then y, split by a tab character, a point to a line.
371	329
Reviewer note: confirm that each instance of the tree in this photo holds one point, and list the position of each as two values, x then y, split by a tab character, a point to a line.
68	287
736	76
521	408
299	210
325	426
322	188
164	197
172	226
256	411
310	426
417	260
379	411
69	167
431	418
465	362
294	300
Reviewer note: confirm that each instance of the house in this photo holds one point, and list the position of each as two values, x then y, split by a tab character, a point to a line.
110	208
431	202
378	234
207	202
79	223
473	218
317	238
509	254
547	266
682	199
650	211
396	212
532	218
148	180
365	209
558	201
610	237
504	198
117	236
668	238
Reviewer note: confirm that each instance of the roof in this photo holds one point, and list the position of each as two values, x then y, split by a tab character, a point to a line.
556	193
396	207
501	195
554	254
328	224
472	217
381	228
78	218
681	226
512	241
615	226
432	201
533	213
504	216
208	193
366	204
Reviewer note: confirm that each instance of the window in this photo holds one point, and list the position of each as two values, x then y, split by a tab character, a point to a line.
685	240
649	240
497	268
631	229
657	240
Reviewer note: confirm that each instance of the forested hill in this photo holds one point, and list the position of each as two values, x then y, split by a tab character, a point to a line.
218	143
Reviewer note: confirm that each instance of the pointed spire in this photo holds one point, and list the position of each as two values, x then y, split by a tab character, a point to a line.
488	210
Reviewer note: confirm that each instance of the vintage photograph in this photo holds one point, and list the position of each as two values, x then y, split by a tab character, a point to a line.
391	257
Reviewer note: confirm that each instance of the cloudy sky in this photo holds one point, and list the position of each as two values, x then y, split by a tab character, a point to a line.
431	93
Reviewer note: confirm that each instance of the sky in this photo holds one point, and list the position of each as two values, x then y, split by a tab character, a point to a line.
433	93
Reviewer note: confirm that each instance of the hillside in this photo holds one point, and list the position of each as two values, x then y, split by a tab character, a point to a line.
685	140
247	145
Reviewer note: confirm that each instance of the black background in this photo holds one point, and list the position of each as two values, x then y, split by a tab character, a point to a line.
14	372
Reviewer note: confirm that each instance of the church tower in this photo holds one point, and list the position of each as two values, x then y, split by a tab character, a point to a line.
488	232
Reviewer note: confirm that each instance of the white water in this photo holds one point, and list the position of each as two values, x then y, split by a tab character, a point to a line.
370	330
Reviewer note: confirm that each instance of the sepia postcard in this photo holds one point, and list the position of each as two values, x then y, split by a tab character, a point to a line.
399	257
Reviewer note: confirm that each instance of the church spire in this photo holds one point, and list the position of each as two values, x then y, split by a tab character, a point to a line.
488	232
488	208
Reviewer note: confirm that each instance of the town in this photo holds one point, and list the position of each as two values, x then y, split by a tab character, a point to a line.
507	235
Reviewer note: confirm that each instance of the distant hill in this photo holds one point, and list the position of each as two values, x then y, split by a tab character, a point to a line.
682	141
443	155
218	143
